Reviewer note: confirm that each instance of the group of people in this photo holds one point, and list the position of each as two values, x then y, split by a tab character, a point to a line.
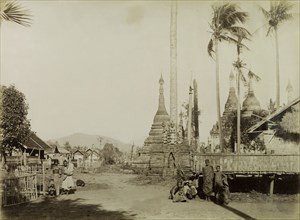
213	182
62	178
183	191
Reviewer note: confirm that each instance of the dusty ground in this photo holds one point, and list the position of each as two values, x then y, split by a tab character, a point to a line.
116	196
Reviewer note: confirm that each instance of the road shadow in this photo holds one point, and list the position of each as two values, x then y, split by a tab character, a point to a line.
237	212
52	208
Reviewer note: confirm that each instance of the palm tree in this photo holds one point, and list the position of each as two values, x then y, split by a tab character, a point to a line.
278	13
10	10
239	66
224	26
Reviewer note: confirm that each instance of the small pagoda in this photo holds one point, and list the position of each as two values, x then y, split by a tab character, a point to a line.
165	149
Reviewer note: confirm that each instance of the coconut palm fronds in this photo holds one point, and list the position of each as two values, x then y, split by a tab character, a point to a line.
11	10
239	64
225	24
253	76
244	80
278	13
210	47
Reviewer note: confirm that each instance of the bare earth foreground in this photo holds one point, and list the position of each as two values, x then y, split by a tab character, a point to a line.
114	196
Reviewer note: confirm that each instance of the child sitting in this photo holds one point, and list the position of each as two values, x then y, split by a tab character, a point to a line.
51	188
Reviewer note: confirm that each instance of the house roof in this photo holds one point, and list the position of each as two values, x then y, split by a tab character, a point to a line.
274	116
89	151
61	150
78	151
34	142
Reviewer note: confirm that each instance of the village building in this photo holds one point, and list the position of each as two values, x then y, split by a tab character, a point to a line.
78	157
267	129
32	152
92	158
59	153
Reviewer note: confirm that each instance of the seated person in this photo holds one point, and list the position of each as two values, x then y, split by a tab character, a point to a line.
51	188
189	190
177	193
193	189
194	178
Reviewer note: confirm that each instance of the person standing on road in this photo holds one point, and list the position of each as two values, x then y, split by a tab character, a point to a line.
68	182
208	176
57	175
221	187
218	183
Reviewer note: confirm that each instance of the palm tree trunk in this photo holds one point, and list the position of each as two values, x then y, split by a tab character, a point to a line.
238	112
189	134
2	156
277	71
196	113
0	56
218	96
173	64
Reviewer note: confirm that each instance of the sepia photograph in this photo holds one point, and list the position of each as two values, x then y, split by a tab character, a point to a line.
147	109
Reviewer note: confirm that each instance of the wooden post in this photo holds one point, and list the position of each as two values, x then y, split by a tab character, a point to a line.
35	186
43	170
272	181
25	158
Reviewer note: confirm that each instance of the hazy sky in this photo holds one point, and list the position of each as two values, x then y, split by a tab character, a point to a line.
93	66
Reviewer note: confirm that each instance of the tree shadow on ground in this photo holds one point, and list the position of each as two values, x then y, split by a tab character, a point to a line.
237	212
52	208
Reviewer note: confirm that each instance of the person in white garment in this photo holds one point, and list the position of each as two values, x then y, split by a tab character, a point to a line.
68	184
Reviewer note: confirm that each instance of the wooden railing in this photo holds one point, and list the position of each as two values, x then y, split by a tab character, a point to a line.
17	190
250	163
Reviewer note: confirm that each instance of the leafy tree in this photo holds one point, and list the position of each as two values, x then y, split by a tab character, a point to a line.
195	117
278	13
271	106
111	154
224	26
246	122
289	127
291	121
68	146
14	123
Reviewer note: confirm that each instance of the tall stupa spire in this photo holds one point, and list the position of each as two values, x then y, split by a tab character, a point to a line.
161	100
173	63
161	119
231	103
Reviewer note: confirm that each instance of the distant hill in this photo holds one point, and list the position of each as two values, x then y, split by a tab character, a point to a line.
87	140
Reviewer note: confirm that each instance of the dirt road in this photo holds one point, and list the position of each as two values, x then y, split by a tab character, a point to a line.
112	196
